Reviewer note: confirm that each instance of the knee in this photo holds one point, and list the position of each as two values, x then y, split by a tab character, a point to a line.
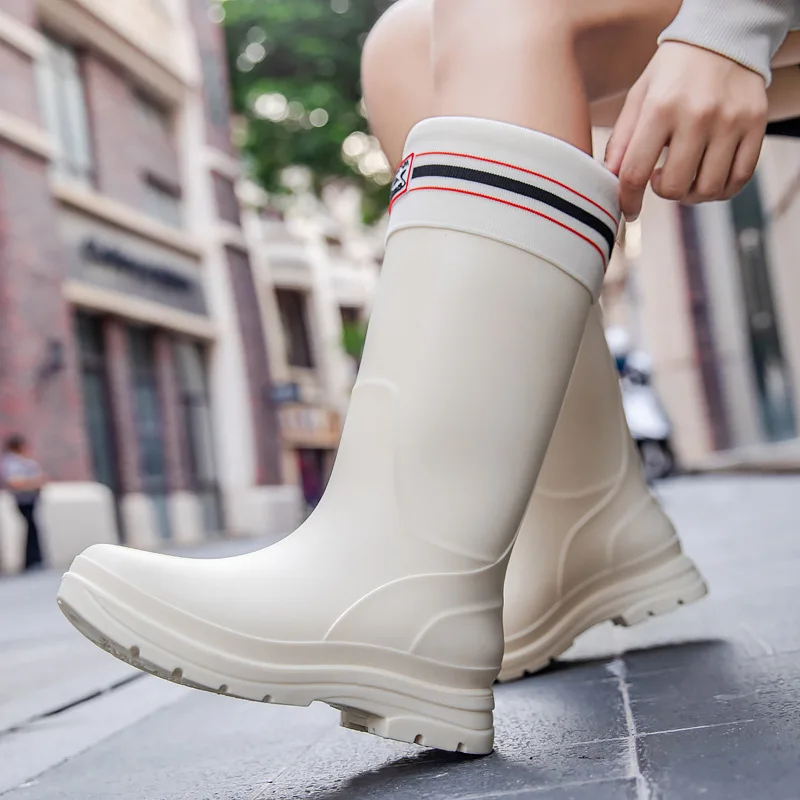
399	39
470	35
373	55
396	74
501	23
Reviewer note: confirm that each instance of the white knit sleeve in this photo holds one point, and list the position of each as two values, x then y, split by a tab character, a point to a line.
747	31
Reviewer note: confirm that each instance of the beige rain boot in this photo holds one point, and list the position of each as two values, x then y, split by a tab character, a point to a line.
594	545
387	602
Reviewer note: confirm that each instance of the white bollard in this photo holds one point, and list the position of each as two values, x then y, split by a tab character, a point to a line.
12	535
73	516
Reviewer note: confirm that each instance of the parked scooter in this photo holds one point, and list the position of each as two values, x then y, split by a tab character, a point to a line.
647	420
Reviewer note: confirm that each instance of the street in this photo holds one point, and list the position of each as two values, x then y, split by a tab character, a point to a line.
701	703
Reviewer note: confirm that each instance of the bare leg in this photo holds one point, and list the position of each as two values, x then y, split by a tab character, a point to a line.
398	98
549	38
490	76
590	482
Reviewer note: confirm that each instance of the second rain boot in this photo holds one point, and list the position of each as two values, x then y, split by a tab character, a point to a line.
387	602
594	545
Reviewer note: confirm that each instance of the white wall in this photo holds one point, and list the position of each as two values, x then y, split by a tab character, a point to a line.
779	173
668	328
729	324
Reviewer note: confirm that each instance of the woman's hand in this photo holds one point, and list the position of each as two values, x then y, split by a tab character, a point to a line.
708	110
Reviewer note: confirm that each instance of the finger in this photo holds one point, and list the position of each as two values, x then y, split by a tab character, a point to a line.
624	128
744	163
715	168
686	148
649	138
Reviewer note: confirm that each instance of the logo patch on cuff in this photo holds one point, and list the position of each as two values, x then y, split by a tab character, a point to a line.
402	179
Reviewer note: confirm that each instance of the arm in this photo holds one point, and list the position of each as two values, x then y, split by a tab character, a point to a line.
703	97
18	481
25	484
746	31
39	480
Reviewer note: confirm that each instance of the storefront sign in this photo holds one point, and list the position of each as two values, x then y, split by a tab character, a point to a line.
282	393
111	258
100	253
310	427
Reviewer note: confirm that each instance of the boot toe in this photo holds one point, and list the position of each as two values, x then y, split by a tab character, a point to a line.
158	576
154	583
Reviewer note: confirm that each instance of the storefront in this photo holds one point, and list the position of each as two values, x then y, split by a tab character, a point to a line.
135	358
144	340
311	434
709	292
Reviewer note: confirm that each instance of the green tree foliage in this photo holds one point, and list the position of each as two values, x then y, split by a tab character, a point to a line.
354	337
302	58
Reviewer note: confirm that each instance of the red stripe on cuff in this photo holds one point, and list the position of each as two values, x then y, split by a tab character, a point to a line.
513	205
528	172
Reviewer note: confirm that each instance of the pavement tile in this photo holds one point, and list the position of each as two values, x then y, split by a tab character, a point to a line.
712	693
44	662
341	768
48	741
622	789
724	691
203	748
757	760
564	727
564	705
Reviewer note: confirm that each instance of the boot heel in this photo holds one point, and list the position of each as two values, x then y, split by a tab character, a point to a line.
676	585
404	726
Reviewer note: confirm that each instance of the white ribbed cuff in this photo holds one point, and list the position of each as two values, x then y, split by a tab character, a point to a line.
511	184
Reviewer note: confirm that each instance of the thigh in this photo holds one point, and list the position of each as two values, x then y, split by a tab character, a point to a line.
789	53
398	74
615	40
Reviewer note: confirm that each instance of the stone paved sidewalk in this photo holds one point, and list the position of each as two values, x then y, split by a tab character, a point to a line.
702	703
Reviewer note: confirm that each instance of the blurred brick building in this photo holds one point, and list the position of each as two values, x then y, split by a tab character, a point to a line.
132	351
316	268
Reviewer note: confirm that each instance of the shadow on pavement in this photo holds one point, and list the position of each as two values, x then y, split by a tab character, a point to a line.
563	727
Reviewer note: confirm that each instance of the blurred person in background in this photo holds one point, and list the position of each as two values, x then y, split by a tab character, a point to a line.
23	477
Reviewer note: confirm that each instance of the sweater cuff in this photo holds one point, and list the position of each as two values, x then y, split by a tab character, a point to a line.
747	31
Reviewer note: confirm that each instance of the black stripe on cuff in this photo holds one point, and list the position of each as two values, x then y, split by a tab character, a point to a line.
520	188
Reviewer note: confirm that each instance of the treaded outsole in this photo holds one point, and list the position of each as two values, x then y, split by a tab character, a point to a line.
627	614
396	724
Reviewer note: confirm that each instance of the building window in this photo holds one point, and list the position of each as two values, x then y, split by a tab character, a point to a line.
335	246
63	101
156	120
227	201
292	307
772	375
96	400
191	362
314	474
351	315
148	423
163	202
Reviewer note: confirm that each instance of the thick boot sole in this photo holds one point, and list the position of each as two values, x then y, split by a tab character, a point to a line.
393	706
626	599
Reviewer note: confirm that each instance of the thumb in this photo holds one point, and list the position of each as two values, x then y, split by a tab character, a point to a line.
624	127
